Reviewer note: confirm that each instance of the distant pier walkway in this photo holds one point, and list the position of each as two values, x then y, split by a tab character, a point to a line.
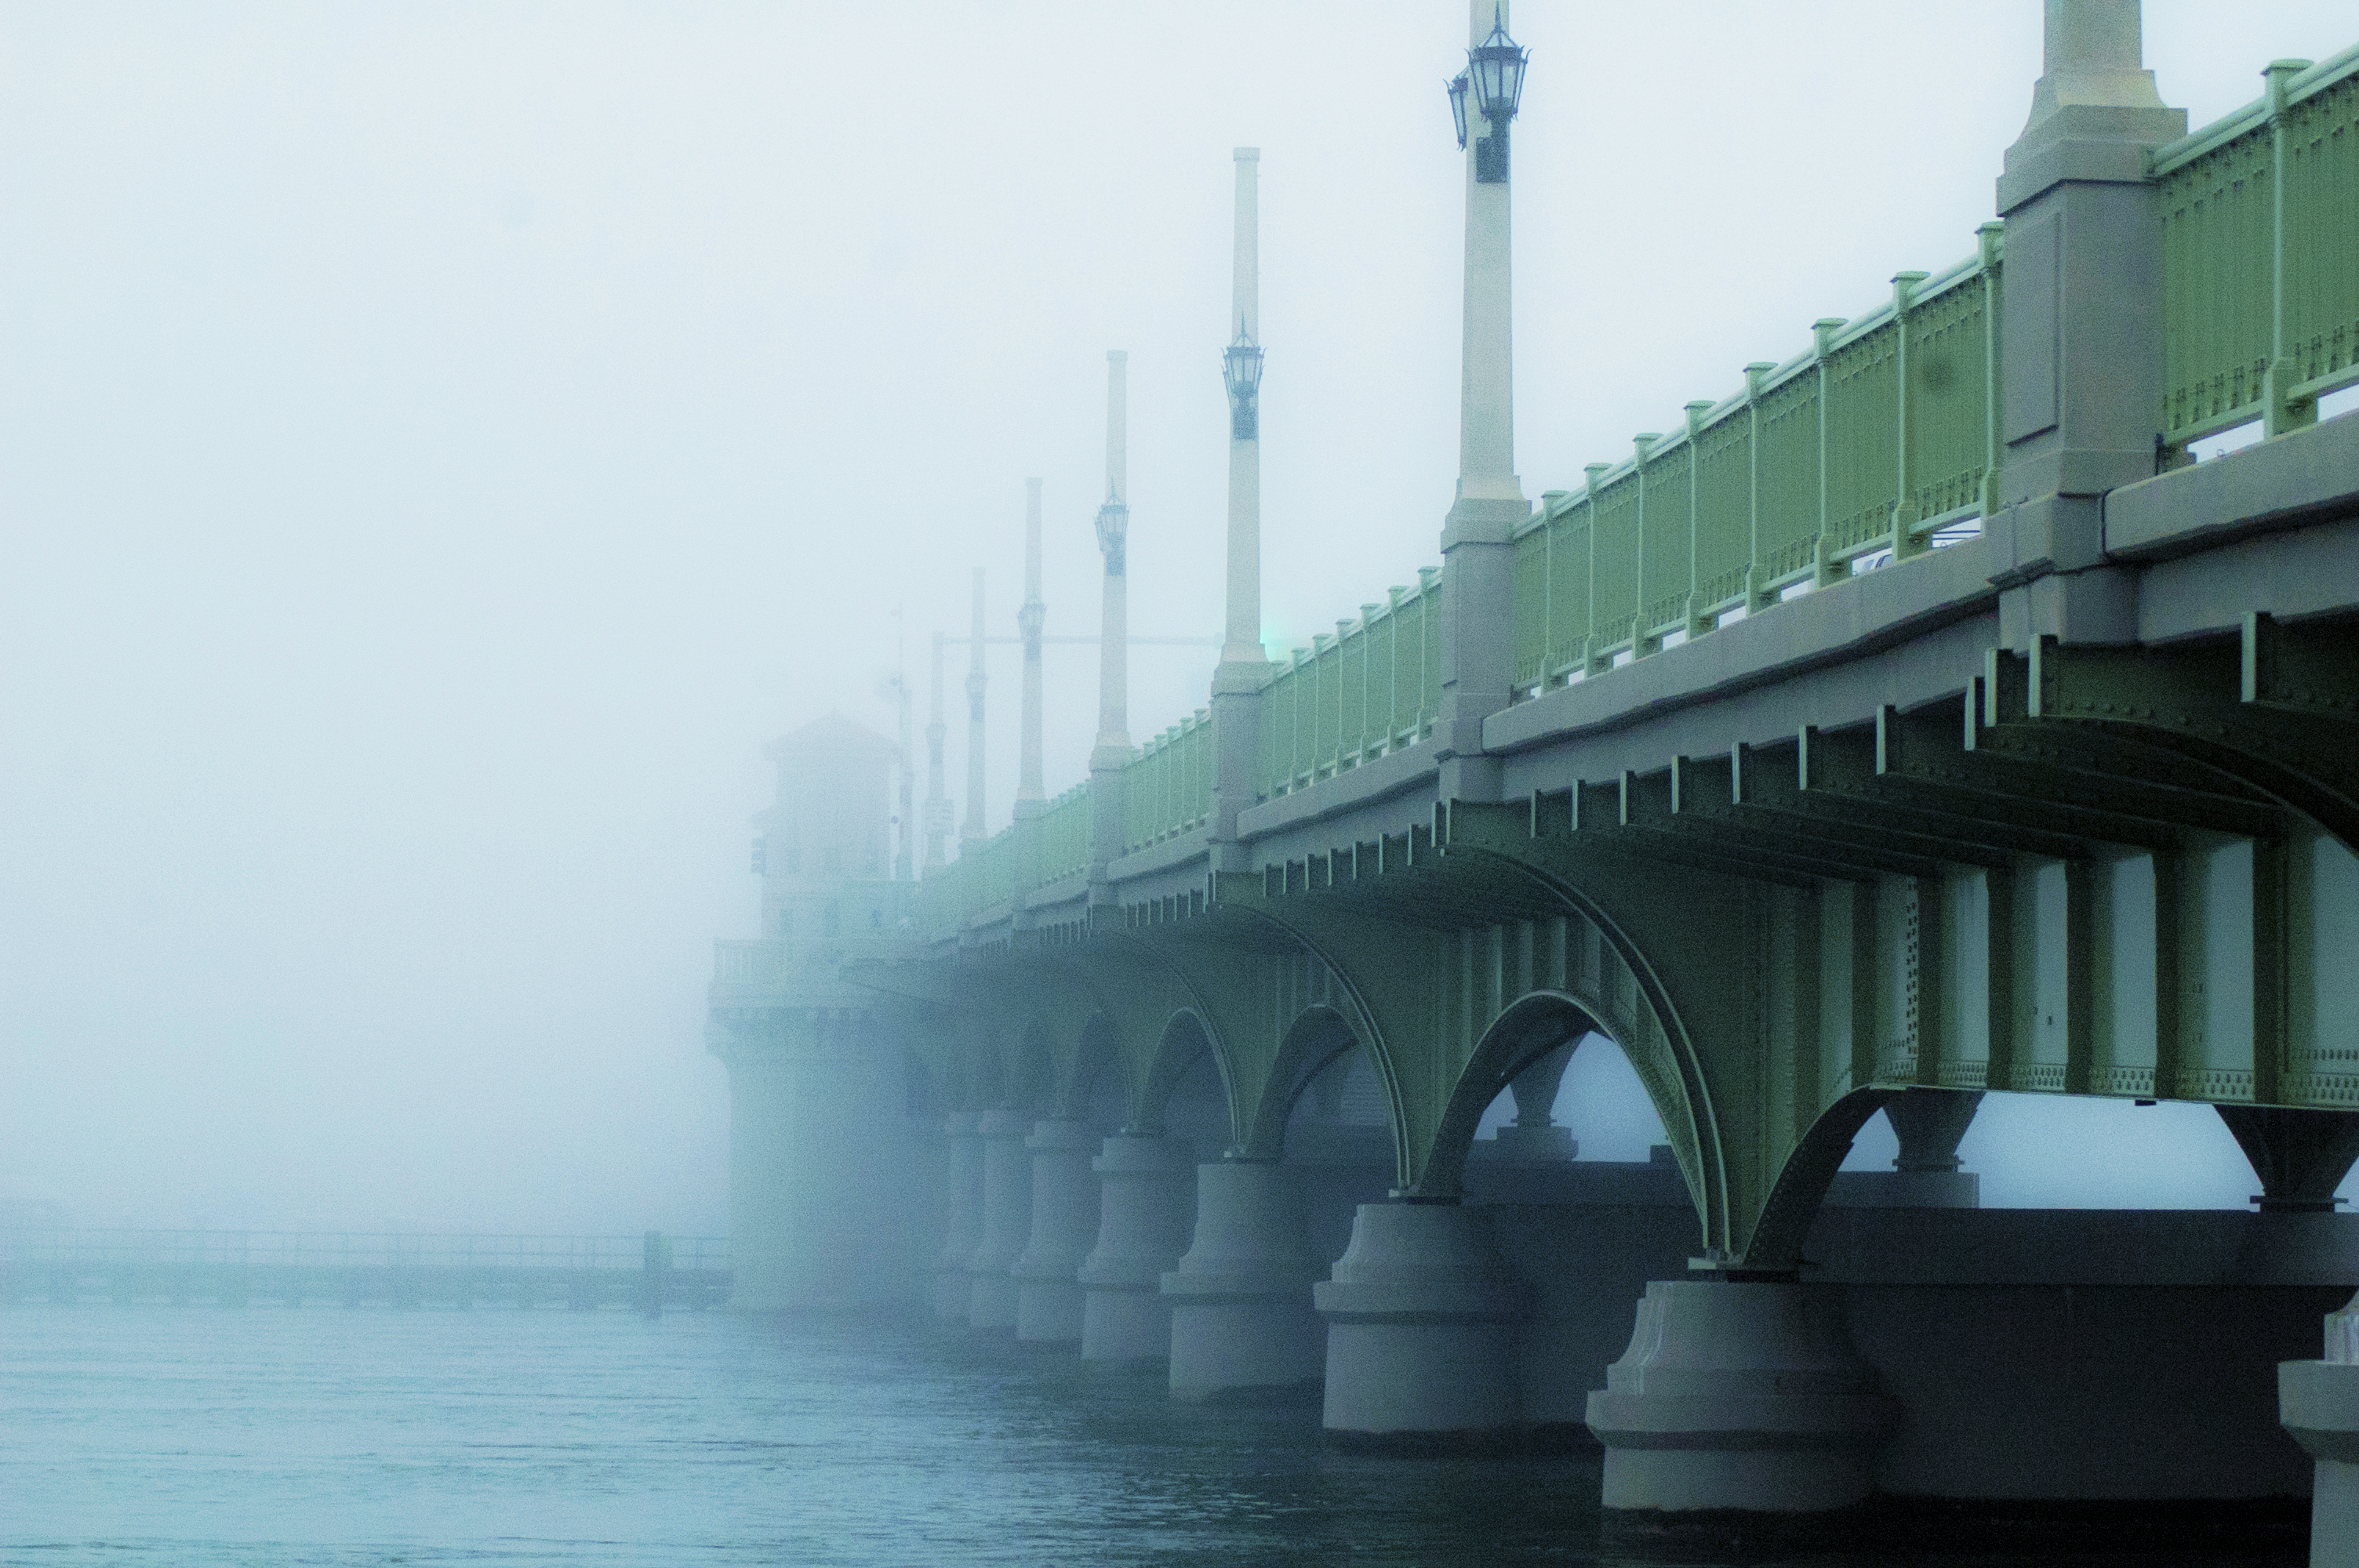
240	1268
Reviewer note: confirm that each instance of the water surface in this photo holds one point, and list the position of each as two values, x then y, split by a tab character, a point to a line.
324	1435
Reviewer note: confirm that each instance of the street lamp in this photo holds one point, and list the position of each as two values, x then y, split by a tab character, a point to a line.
1241	373
1495	68
1457	90
1113	531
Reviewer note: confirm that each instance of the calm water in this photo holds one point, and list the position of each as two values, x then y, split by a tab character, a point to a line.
272	1435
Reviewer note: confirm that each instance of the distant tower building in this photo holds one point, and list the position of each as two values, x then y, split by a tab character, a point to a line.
828	1186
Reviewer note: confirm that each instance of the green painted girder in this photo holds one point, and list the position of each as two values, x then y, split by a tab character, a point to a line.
1656	802
1832	776
1554	812
2190	700
1783	785
1934	763
2133	764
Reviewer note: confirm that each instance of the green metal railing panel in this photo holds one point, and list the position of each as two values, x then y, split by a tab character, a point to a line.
1949	415
1168	786
1723	511
1667	506
1383	672
2322	231
1862	412
1065	836
1614	523
1788	528
1429	686
2217	229
1531	598
2260	255
1568	597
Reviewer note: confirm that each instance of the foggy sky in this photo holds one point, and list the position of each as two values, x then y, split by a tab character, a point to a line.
444	441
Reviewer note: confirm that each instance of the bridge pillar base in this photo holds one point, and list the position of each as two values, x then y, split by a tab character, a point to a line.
1421	1327
953	1291
1739	1396
1049	1297
2319	1403
1242	1325
1006	1219
1146	1208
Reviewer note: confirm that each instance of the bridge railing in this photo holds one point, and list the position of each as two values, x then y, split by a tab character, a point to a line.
2260	255
1064	838
1373	687
1167	788
1882	433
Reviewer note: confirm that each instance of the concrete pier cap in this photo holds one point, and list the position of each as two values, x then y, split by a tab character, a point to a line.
1242	1325
1049	1296
1421	1313
1739	1396
1146	1209
2319	1403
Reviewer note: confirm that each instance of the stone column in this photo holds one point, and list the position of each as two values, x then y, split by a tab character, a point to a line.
1739	1396
1242	1324
1006	1219
2318	1402
1112	752
1147	1208
953	1291
2081	306
1421	1328
1064	1226
1477	556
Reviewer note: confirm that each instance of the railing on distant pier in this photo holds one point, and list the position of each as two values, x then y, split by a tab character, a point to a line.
234	1267
1880	441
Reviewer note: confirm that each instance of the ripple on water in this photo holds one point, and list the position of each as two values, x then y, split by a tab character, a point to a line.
331	1436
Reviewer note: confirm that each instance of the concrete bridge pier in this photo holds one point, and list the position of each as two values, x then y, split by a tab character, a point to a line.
1421	1328
2318	1402
1739	1395
952	1291
1242	1324
1048	1293
1146	1204
1006	1219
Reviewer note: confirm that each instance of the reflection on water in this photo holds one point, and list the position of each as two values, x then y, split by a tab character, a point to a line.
322	1435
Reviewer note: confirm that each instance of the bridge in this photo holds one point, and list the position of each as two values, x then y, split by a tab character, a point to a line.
1917	719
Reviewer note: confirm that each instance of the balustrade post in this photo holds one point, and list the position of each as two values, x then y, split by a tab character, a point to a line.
1906	513
1756	581
2080	320
1696	626
1824	567
2280	411
1641	644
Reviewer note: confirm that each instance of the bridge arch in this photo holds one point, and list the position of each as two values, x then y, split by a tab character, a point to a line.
1094	1072
1528	1029
1186	1041
1629	999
